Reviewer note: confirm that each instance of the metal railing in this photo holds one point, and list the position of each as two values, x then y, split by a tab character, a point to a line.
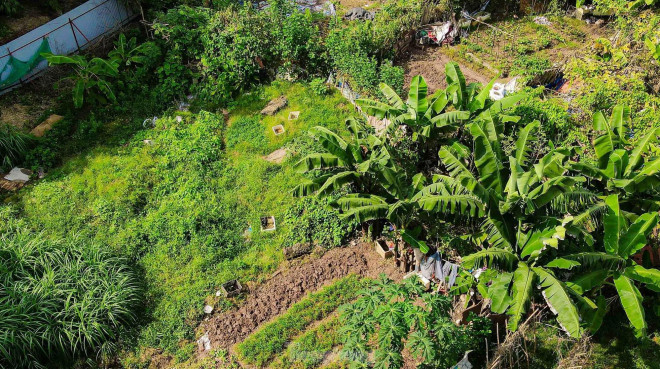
69	34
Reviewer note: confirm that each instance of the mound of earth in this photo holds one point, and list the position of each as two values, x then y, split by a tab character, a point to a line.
289	285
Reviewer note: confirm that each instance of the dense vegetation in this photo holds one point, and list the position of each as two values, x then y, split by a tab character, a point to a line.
60	298
138	222
390	316
521	209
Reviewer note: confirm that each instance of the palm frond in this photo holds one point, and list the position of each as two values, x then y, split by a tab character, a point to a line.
487	155
557	296
525	137
318	161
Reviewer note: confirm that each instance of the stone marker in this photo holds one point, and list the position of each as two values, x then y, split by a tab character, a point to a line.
275	105
297	250
276	156
46	125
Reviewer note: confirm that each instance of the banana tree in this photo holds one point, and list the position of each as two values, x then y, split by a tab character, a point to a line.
629	171
92	78
442	112
378	189
128	52
595	269
526	266
508	195
376	186
515	203
361	163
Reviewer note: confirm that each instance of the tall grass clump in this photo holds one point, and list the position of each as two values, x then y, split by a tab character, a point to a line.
13	145
60	300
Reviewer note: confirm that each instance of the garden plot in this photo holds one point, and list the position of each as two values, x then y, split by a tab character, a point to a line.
317	345
512	48
288	285
261	347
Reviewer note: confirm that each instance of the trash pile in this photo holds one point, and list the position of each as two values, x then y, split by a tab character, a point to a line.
437	34
464	363
15	179
184	105
552	79
150	122
499	90
433	268
204	343
344	87
448	32
18	175
471	20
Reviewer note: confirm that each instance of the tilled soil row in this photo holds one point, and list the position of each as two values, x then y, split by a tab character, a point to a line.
287	287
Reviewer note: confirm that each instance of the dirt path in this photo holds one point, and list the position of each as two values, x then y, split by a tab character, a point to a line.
430	64
289	285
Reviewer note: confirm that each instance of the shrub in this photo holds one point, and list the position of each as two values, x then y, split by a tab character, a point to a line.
319	86
392	76
557	124
61	299
312	220
299	45
361	49
237	48
181	30
9	7
529	65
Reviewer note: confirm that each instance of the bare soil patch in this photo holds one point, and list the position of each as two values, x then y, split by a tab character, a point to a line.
290	284
27	106
430	64
33	14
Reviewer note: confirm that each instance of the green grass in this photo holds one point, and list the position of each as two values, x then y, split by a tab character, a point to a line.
246	134
178	208
262	346
309	349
